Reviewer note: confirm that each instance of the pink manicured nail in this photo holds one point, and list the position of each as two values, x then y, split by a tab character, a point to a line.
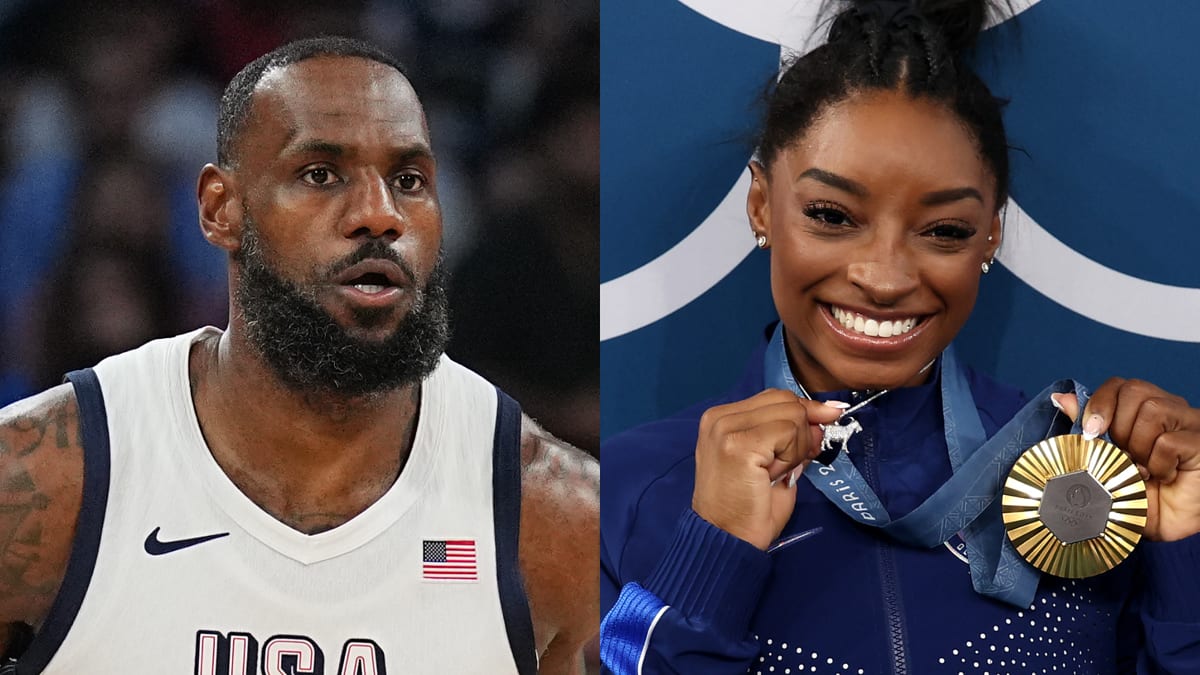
1092	427
1054	401
840	405
1145	474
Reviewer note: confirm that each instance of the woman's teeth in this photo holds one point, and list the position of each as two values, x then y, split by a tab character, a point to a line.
873	327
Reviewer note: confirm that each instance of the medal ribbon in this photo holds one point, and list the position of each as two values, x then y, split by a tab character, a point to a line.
965	503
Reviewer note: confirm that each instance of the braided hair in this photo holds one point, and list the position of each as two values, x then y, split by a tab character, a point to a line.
912	46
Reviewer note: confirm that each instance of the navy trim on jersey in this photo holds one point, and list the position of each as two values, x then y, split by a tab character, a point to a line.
506	501
93	429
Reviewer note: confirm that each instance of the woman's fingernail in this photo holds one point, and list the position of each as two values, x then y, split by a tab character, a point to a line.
840	405
1145	473
1054	401
1092	427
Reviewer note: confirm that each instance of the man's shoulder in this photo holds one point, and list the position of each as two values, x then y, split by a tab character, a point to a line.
41	483
560	487
553	469
49	418
560	535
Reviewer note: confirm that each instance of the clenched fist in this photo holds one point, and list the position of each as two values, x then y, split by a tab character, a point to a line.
749	454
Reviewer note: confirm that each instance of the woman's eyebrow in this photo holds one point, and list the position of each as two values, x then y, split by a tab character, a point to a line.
951	195
835	181
844	184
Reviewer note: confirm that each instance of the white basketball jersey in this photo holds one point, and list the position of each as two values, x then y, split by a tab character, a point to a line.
175	572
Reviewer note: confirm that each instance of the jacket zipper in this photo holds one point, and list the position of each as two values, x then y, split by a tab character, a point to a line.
892	606
888	577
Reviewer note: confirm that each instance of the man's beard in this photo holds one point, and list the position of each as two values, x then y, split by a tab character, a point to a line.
307	348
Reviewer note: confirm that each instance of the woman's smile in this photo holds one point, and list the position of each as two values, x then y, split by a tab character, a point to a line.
873	325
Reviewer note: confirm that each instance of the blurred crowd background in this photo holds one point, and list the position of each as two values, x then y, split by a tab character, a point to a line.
109	112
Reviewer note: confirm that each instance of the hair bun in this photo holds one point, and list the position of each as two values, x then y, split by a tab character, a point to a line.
958	22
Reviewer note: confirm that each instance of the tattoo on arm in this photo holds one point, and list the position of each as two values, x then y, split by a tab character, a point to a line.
30	431
42	435
546	455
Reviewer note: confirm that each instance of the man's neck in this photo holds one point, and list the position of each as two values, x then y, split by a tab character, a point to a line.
311	459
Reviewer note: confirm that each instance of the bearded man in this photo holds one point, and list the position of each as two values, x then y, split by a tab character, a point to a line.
317	488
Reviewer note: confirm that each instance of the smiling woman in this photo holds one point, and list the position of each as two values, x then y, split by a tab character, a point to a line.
878	225
877	185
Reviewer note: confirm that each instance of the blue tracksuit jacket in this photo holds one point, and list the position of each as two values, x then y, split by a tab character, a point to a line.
843	598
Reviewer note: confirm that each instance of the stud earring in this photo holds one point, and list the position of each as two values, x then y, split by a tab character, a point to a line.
761	240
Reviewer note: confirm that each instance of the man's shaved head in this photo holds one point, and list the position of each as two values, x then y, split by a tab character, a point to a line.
235	102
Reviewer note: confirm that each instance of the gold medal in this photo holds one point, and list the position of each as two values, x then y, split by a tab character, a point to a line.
1074	508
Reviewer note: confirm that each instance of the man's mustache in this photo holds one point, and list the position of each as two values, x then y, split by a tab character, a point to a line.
372	250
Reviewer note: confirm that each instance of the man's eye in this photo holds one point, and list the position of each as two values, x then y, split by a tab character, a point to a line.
409	182
319	176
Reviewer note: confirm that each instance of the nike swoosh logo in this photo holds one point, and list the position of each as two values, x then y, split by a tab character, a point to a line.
155	546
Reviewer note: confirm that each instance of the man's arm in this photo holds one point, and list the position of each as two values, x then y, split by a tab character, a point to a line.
560	547
41	492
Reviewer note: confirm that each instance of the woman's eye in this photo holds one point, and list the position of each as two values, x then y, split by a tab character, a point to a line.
951	231
409	182
827	215
319	176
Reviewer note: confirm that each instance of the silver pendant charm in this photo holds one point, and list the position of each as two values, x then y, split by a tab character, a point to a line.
837	438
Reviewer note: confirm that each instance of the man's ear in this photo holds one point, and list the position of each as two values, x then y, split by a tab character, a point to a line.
220	208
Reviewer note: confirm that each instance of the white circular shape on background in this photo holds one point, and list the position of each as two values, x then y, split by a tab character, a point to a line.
1100	293
684	272
789	23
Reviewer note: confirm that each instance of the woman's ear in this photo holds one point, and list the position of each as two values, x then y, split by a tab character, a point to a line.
220	209
758	204
995	237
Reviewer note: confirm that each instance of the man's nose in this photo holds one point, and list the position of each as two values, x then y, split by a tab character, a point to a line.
372	211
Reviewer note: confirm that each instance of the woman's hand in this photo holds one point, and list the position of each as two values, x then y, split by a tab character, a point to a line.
1161	433
748	456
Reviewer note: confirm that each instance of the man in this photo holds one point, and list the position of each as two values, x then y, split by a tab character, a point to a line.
317	489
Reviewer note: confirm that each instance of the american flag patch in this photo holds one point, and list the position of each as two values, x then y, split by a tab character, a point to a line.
449	560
